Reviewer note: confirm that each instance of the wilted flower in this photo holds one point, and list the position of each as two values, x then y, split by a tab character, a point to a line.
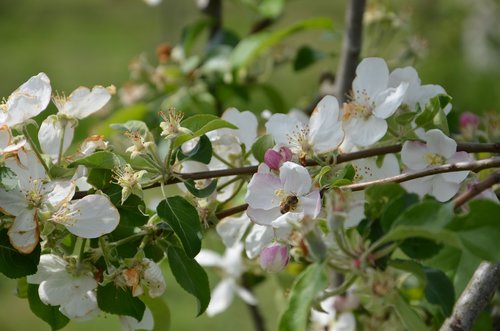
171	125
129	180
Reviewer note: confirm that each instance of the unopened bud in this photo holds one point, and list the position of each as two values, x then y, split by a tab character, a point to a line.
274	257
468	119
274	159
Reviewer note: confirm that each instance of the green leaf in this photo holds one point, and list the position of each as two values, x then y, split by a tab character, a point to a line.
190	276
191	32
100	160
261	145
119	301
410	266
430	214
395	208
271	8
160	311
49	314
426	118
130	126
407	315
405	118
199	125
100	178
305	57
439	290
202	152
184	220
8	179
122	115
14	264
305	288
251	47
200	193
378	197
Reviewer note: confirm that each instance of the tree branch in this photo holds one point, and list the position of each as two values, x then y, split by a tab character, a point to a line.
476	189
474	298
351	48
214	11
474	166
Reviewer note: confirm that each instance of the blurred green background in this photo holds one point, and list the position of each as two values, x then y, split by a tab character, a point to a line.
85	42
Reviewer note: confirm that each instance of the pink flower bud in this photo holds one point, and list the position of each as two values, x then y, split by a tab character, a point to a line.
469	119
274	257
274	159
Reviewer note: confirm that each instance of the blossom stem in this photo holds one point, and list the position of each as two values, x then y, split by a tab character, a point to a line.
476	189
61	143
105	252
35	149
220	158
338	290
128	239
82	249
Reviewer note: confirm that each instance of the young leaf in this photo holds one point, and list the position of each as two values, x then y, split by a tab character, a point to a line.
305	288
439	290
200	193
118	301
305	57
199	125
49	314
378	196
100	178
202	152
126	115
408	316
100	160
14	264
184	220
261	145
190	276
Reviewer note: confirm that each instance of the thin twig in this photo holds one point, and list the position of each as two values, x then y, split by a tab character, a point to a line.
231	211
474	298
255	313
476	189
214	11
351	48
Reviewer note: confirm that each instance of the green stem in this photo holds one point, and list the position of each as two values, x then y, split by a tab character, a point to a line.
338	290
105	252
131	238
35	149
61	143
82	249
220	158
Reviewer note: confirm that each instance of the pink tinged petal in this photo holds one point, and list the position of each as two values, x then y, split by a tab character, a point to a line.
245	295
439	143
13	202
295	179
257	239
209	258
232	229
261	191
48	266
247	125
83	102
129	323
94	216
24	233
388	101
443	190
325	127
372	76
420	186
262	216
365	132
51	134
274	257
310	204
81	308
222	296
29	100
273	159
281	126
60	192
457	177
413	155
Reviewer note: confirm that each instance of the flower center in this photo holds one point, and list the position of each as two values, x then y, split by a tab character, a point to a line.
64	216
434	159
356	110
298	139
34	197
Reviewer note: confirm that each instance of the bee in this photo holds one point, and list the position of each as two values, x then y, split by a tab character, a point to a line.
290	203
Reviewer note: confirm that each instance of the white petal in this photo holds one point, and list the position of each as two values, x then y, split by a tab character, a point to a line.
129	323
286	221
222	296
295	179
62	287
51	133
388	101
13	202
259	237
443	190
280	126
83	102
365	132
49	265
310	204
245	295
429	91
232	262
232	229
81	308
421	186
245	121
345	322
261	191
27	168
24	233
94	216
5	137
209	258
413	155
410	76
59	192
29	100
439	143
262	216
372	76
457	177
325	127
154	279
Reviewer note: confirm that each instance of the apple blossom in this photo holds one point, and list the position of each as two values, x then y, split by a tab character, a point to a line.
321	135
171	125
274	257
437	150
7	143
129	180
373	101
275	159
330	320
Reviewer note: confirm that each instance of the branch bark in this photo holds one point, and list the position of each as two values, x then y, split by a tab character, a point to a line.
474	298
351	48
476	189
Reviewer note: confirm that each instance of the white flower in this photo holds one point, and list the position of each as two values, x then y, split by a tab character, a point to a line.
373	102
129	323
74	293
330	320
232	268
153	277
7	145
152	2
279	201
322	134
33	193
438	149
55	136
29	100
88	146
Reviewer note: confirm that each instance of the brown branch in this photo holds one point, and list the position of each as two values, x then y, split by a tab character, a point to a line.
351	48
214	11
474	166
231	211
476	189
255	313
474	298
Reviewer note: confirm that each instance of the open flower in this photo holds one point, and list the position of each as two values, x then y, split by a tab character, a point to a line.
144	273
129	180
373	101
330	319
232	268
29	100
279	201
7	144
322	134
438	149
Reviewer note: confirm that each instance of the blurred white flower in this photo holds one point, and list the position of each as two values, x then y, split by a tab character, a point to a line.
129	323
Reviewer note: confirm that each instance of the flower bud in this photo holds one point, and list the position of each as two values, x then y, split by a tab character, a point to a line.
274	257
274	159
469	119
